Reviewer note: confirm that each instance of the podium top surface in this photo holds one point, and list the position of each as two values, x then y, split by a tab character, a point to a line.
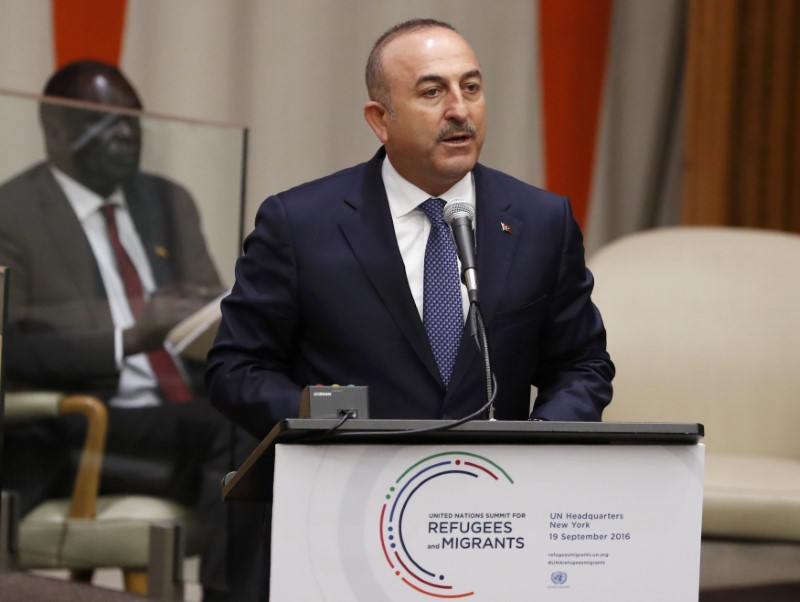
253	480
310	431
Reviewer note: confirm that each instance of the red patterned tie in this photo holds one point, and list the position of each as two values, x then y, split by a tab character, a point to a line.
169	377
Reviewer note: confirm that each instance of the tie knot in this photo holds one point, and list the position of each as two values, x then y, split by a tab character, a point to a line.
107	209
434	210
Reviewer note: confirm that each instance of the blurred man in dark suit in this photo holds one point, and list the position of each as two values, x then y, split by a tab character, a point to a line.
106	260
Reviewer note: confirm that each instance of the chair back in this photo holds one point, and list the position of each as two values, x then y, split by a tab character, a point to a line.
704	326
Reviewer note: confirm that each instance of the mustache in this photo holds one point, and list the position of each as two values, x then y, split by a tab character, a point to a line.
453	128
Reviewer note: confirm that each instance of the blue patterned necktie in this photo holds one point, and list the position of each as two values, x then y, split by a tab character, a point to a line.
442	312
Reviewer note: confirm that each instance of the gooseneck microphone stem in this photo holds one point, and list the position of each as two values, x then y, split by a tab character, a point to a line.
459	214
478	332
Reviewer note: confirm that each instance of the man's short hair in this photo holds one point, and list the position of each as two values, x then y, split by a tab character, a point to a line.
68	82
377	86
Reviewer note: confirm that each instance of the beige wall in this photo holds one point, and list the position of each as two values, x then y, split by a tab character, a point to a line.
292	72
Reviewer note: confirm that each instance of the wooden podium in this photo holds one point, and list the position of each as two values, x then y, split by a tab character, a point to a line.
486	511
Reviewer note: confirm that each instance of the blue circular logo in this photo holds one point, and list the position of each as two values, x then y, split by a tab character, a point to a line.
559	577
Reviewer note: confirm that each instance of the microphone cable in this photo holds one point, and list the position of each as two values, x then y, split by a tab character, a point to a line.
479	336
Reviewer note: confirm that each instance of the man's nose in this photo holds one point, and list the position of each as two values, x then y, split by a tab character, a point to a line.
457	109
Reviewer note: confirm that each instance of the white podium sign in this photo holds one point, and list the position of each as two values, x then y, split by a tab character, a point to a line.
572	523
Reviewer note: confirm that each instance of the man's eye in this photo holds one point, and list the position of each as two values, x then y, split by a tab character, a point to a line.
431	92
472	88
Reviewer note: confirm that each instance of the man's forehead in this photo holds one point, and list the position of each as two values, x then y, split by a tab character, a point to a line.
420	50
108	89
430	54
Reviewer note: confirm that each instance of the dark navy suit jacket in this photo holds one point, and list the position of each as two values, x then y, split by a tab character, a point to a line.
60	324
321	296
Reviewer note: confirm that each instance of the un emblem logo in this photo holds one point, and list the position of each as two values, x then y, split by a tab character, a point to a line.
559	577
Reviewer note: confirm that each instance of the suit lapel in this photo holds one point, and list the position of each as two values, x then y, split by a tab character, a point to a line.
148	210
498	231
68	237
495	247
370	233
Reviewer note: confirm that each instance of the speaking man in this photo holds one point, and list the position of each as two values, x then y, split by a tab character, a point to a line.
354	279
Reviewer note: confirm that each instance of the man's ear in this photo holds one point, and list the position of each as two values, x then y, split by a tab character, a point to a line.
54	130
376	115
56	141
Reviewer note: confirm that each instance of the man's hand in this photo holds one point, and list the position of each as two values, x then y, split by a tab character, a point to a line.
166	307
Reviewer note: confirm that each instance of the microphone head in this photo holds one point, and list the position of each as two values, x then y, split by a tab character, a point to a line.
458	207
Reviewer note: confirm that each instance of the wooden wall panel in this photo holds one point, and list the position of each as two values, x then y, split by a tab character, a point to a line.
743	107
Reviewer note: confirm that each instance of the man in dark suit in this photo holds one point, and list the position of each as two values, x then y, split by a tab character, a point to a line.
105	260
333	284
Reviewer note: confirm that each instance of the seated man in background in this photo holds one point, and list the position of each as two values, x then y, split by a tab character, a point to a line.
105	260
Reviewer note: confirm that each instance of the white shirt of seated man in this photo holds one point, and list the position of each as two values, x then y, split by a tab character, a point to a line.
138	386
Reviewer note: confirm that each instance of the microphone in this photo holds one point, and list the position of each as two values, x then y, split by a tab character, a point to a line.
459	215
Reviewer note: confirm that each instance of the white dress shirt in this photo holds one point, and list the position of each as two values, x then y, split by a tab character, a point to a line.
138	386
412	227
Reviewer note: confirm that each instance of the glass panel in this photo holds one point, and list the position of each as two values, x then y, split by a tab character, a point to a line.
207	159
138	227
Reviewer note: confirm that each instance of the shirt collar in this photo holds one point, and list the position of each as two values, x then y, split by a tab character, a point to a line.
85	202
404	197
